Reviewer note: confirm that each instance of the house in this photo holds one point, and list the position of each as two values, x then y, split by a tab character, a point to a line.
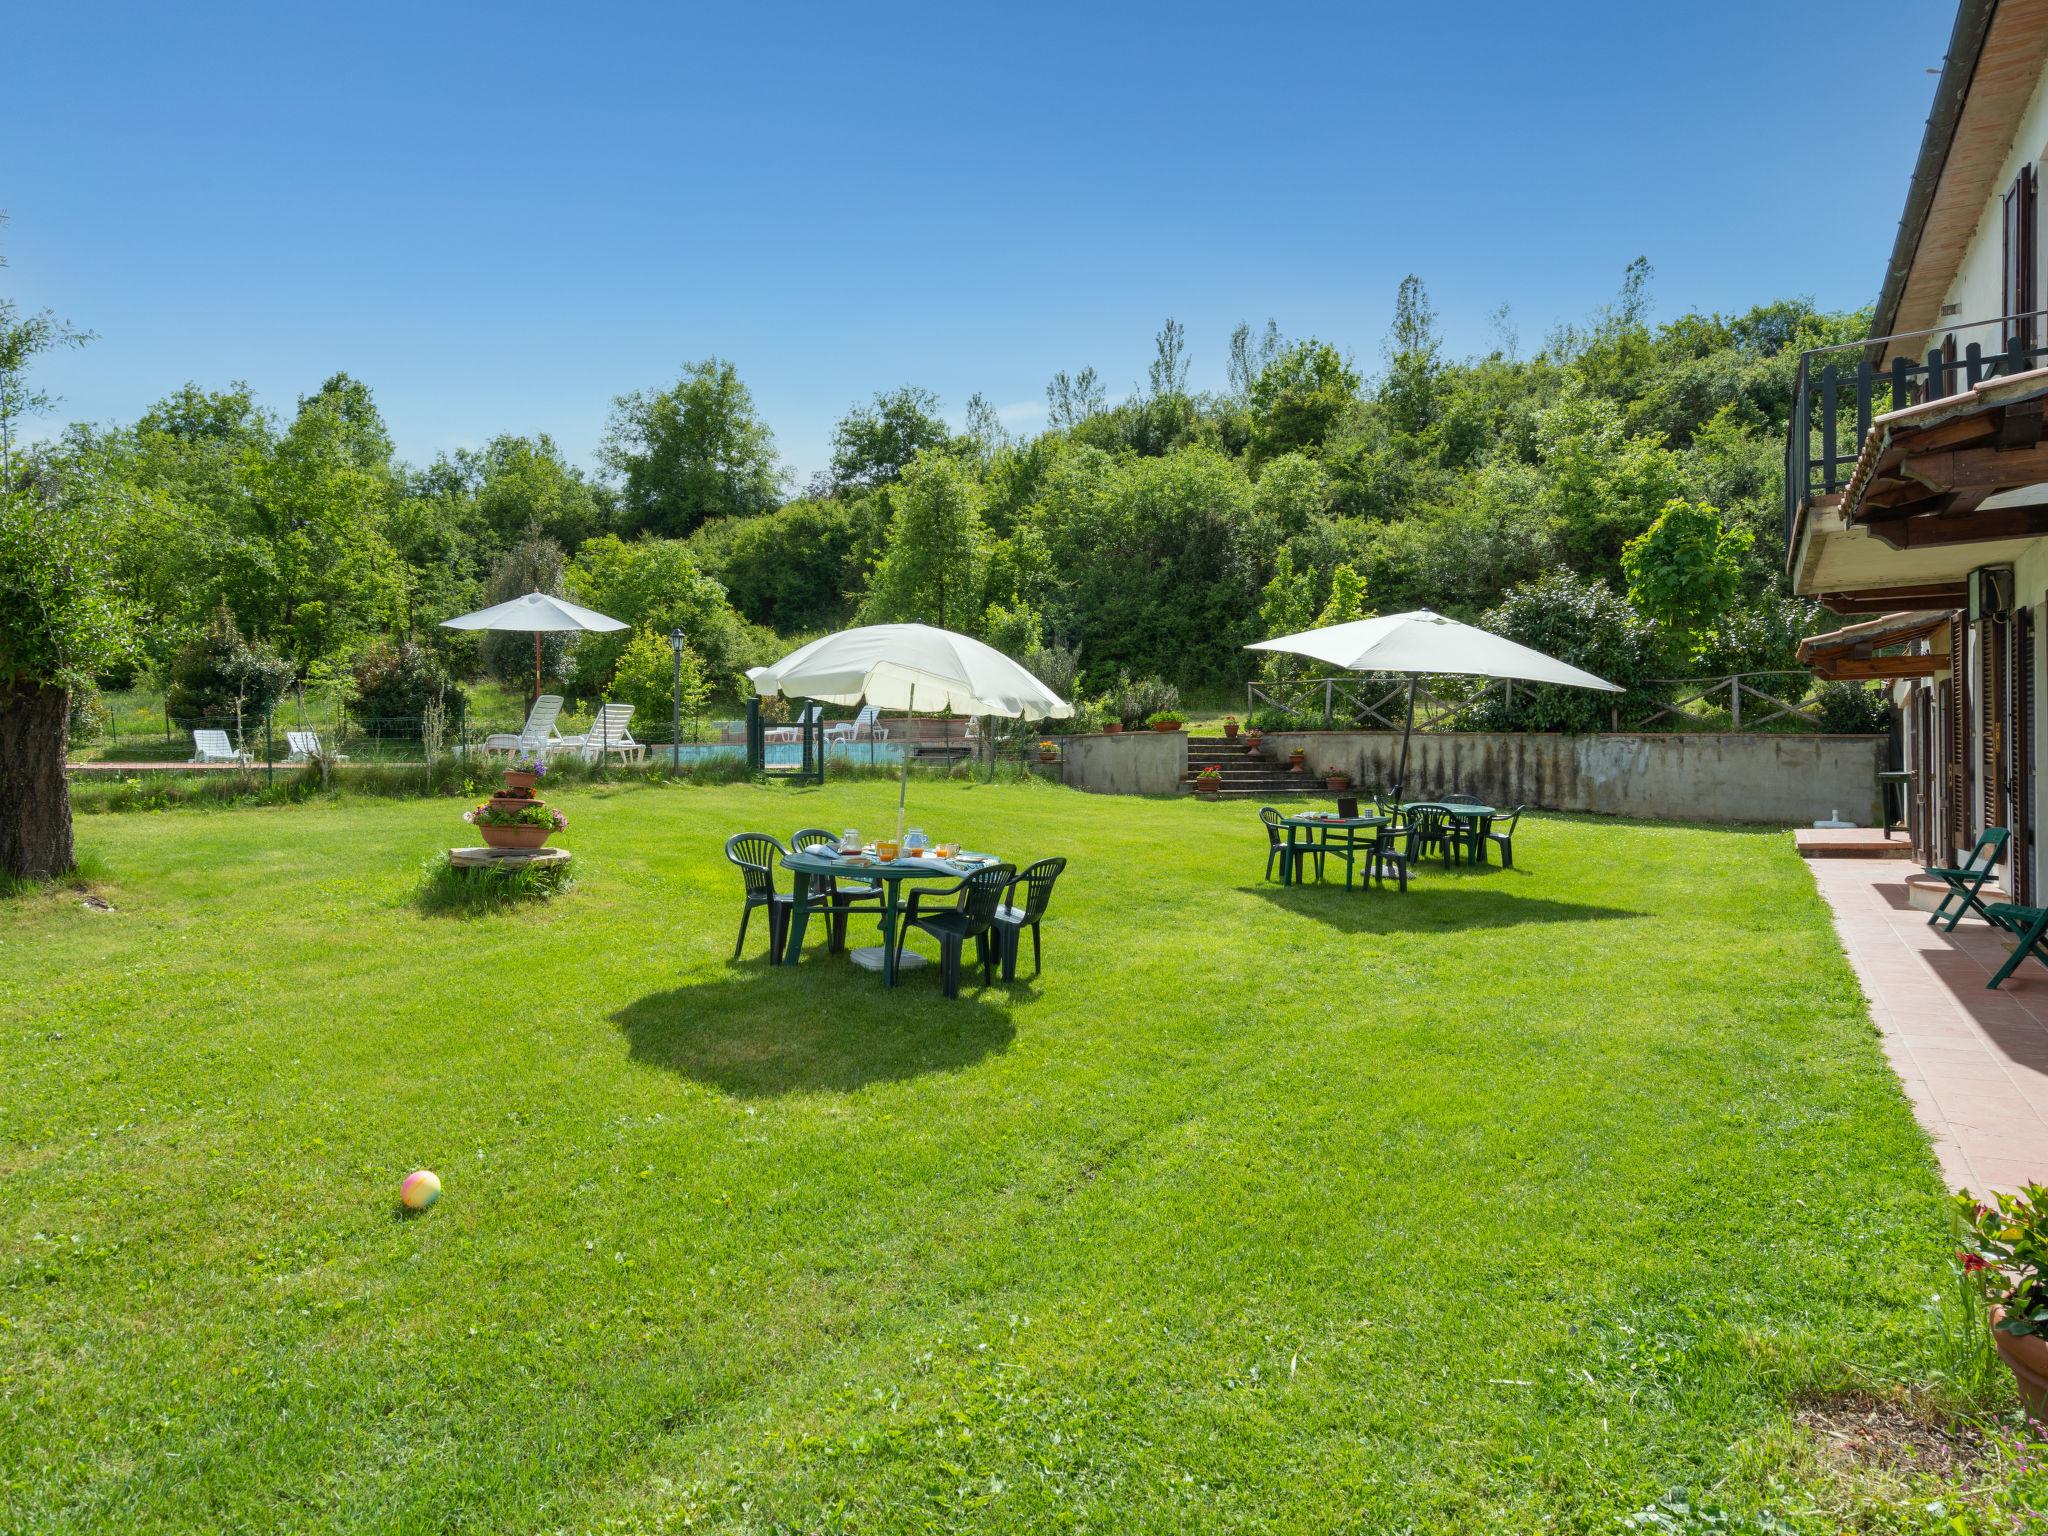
1916	471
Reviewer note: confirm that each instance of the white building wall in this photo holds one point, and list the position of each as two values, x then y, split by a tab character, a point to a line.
1979	280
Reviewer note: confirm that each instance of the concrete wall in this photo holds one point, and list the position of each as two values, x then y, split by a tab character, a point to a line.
1757	778
1132	763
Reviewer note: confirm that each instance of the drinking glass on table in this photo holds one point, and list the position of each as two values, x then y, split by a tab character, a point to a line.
849	841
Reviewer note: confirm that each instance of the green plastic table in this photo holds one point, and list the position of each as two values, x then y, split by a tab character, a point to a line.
1480	816
821	862
1309	819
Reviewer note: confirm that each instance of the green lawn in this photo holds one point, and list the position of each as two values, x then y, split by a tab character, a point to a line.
1504	1206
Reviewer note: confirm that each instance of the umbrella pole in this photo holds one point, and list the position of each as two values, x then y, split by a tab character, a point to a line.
536	666
1401	776
903	783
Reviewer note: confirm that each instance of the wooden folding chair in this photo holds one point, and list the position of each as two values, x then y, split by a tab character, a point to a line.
1967	879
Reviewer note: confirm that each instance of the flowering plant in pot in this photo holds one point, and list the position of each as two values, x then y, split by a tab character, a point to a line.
1208	783
1252	738
1336	778
526	826
1166	720
525	773
1048	751
1230	727
2005	1257
1297	759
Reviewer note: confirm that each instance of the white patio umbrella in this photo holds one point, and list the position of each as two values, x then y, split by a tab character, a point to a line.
908	667
537	612
1424	643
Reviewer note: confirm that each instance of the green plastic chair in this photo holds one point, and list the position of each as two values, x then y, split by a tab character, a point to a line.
755	853
1012	919
1276	845
1968	878
1431	829
1502	833
842	892
972	916
2029	925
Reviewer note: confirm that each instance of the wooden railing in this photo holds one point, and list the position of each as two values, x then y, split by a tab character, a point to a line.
1838	390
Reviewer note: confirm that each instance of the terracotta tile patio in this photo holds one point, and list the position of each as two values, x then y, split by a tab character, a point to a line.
1973	1062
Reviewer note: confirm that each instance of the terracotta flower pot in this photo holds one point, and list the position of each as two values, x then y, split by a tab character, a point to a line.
1048	757
509	802
1164	726
515	837
1230	730
2026	1356
1337	781
514	779
1114	728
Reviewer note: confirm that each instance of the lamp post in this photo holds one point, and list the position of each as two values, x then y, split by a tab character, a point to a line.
676	641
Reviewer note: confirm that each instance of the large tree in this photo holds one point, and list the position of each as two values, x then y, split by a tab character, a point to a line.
61	621
873	444
933	569
693	451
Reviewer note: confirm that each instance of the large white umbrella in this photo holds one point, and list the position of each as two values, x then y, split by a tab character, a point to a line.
1428	644
537	612
909	667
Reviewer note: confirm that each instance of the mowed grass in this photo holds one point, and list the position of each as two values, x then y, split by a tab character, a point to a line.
1506	1206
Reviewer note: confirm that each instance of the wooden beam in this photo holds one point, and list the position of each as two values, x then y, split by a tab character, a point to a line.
1867	668
1949	434
1945	594
1997	469
2028	522
2020	426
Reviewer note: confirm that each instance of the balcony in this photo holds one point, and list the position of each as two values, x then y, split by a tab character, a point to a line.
1898	443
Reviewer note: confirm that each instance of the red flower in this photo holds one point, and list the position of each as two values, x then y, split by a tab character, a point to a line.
1973	1262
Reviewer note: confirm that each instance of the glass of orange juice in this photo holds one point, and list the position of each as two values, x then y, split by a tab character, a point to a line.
885	851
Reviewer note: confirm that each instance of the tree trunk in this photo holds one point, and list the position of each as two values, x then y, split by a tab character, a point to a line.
35	807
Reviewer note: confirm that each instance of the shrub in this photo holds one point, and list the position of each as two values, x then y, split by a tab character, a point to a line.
1579	620
89	716
1166	717
1136	702
398	683
217	673
1852	709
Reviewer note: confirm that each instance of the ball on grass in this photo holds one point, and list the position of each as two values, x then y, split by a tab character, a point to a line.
420	1189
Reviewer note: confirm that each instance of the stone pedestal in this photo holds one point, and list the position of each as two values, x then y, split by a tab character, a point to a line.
505	858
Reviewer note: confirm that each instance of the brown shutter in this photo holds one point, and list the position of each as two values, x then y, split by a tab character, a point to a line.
2017	250
1992	724
2019	756
1955	693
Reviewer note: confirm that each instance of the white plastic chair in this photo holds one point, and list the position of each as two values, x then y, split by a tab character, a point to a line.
794	732
608	734
305	747
537	737
862	724
214	747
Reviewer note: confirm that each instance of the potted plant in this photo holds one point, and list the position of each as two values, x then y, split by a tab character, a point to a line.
1230	727
1297	759
1208	783
1048	751
1112	727
1165	720
525	826
525	773
1336	778
2006	1258
1252	738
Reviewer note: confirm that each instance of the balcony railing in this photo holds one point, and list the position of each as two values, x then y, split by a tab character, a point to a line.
1839	389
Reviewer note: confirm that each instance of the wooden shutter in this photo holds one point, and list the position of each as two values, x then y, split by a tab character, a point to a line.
1955	734
1992	725
2019	757
2019	242
1925	790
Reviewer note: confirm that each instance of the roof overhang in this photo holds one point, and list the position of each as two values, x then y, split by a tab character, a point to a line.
1994	61
1956	470
1851	652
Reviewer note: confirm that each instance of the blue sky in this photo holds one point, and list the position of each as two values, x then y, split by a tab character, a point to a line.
500	217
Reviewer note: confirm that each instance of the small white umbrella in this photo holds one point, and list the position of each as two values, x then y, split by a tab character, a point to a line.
537	612
905	666
1422	643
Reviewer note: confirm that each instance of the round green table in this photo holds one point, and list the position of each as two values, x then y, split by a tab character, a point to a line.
1478	820
821	863
1310	821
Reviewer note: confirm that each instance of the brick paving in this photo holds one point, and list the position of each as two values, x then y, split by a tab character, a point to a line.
1974	1062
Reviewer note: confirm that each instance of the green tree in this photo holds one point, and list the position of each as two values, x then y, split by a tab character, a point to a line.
934	563
1298	398
873	444
1346	603
524	484
1581	621
646	679
693	451
1413	360
62	620
1685	571
653	584
534	564
1603	484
